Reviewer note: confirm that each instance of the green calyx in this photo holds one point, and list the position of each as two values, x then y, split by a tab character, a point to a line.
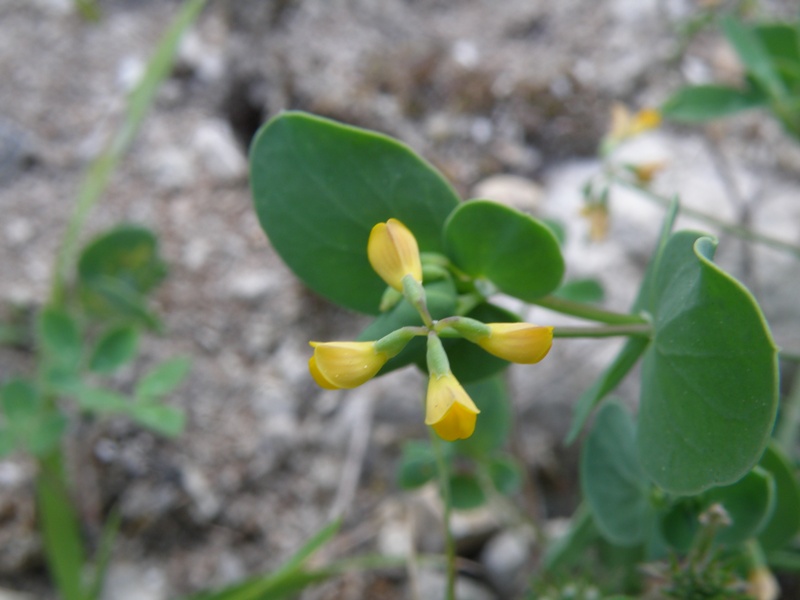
438	364
393	343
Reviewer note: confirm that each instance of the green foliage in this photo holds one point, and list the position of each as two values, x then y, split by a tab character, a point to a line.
770	55
117	346
482	236
319	187
709	384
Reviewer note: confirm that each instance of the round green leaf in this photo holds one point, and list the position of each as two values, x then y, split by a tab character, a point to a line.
709	378
785	520
319	187
613	482
515	252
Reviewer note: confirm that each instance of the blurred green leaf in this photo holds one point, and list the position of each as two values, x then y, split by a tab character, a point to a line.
7	442
613	482
754	56
60	338
515	252
700	103
782	43
506	474
20	400
166	420
494	422
99	400
117	270
581	290
47	434
466	492
319	187
163	379
417	465
785	520
116	347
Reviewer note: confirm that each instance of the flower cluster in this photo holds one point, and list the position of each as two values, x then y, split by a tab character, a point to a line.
393	253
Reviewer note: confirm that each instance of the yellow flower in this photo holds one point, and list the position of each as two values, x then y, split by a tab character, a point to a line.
517	342
449	409
624	125
340	365
393	253
597	215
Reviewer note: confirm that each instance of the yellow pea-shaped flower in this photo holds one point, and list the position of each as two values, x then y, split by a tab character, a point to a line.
523	343
449	409
393	252
344	365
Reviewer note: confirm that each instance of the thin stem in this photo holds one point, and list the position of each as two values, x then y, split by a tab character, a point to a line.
449	542
737	230
637	330
100	171
589	312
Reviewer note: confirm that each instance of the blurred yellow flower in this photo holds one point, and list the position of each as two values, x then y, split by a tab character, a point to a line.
625	125
449	409
393	252
597	215
517	342
341	365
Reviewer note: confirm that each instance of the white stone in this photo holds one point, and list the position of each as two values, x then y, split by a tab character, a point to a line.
218	151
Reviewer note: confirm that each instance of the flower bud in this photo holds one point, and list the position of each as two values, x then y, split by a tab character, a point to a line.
449	409
393	252
344	365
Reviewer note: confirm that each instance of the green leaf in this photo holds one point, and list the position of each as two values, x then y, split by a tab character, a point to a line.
7	443
709	378
163	379
581	290
494	421
782	43
515	252
166	420
99	400
613	482
417	465
700	103
506	474
60	338
117	347
785	520
754	55
749	503
466	492
117	270
20	401
319	187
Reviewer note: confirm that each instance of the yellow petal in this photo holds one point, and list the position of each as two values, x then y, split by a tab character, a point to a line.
345	364
449	409
393	252
518	342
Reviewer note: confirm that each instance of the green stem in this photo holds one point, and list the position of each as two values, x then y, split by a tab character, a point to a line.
99	173
449	542
589	312
635	330
737	230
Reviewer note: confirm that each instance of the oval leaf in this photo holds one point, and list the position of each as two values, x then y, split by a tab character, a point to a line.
319	187
613	482
515	252
709	378
785	520
114	349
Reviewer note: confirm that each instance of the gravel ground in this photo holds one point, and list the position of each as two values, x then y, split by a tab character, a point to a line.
479	88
